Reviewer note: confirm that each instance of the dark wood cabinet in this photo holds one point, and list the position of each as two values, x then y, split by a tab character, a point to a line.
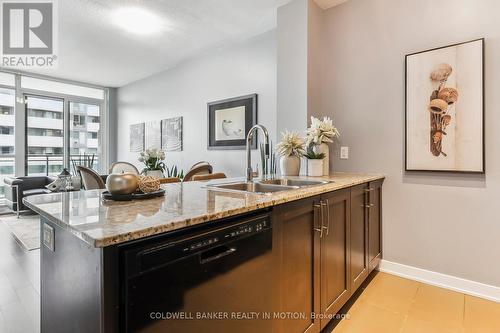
374	223
334	263
359	236
324	247
296	247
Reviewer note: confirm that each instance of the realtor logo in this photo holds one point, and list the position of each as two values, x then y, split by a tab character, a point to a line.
29	33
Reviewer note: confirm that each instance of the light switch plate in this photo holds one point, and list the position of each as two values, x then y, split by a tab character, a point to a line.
344	153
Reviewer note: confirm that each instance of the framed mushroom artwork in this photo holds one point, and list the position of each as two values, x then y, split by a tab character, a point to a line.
445	109
230	120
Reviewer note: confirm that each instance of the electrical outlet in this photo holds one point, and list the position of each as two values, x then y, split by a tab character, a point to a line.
344	153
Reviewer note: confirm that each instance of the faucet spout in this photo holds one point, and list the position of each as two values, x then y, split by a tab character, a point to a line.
250	134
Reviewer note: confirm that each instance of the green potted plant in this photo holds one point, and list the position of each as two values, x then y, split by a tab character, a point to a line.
291	149
319	135
173	171
314	163
153	161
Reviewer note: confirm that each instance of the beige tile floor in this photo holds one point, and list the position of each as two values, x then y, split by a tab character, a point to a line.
393	304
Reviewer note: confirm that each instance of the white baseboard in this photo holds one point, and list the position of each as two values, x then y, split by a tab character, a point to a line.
468	287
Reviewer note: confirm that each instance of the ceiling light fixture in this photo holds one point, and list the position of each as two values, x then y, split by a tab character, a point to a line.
137	20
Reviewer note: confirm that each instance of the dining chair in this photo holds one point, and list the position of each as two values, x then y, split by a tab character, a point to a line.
91	180
217	175
122	167
200	168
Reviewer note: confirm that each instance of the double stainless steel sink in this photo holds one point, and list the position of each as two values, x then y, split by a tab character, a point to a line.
268	185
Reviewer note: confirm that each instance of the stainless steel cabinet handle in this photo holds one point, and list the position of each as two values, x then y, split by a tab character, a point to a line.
368	190
320	229
369	205
327	205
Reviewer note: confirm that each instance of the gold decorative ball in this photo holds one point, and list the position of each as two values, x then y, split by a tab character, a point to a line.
122	183
148	184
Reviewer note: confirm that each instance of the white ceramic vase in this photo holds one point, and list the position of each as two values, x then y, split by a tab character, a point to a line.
290	165
315	167
155	173
325	149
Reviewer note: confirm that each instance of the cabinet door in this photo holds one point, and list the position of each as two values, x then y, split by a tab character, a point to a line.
374	224
296	245
335	289
358	236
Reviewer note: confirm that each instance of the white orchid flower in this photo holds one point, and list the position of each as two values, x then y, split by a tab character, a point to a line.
291	144
321	131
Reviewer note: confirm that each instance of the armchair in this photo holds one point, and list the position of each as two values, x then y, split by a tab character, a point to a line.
18	188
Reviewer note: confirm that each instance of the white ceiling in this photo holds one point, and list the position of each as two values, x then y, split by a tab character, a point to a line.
92	49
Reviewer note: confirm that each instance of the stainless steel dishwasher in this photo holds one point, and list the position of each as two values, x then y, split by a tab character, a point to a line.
212	280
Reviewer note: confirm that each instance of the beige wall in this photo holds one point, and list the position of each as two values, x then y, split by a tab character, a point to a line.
315	59
292	66
446	223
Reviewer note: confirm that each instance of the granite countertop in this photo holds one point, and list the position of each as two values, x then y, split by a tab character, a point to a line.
102	223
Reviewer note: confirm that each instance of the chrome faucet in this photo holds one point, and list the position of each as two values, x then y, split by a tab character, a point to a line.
249	142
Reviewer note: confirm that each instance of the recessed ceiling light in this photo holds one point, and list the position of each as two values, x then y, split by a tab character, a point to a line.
137	20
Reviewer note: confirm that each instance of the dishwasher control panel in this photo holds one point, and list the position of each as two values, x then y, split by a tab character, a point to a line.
248	228
203	243
154	255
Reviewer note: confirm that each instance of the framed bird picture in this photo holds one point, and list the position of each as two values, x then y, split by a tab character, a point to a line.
445	109
230	120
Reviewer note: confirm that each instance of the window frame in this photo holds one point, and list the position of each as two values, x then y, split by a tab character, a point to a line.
20	111
67	99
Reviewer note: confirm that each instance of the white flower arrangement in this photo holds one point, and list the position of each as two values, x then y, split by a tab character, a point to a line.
291	144
152	159
321	131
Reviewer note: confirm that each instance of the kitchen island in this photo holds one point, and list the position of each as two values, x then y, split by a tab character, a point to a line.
104	264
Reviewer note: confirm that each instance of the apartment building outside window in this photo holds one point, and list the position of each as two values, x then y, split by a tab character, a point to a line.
7	131
63	125
86	131
44	134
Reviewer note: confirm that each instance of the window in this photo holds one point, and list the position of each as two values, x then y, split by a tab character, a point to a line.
7	130
7	138
6	169
45	114
44	134
60	120
78	120
36	170
6	110
86	131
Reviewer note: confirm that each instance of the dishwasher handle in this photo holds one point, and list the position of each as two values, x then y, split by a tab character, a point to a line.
216	253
